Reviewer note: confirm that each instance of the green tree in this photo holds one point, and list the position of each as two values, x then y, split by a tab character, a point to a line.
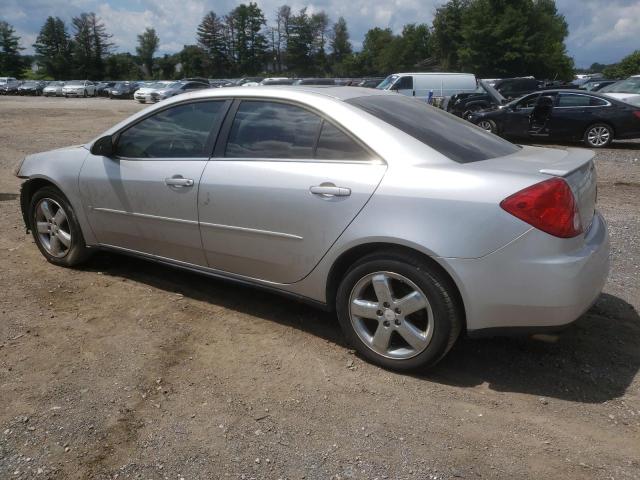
245	24
91	45
376	52
300	44
319	28
629	65
514	37
148	43
121	66
53	47
192	60
447	33
212	40
281	36
340	45
11	64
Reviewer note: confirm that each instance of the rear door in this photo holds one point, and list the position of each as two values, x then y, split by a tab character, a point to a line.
144	198
571	115
283	185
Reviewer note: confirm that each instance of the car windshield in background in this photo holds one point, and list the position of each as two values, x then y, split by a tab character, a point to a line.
387	81
630	85
453	137
75	82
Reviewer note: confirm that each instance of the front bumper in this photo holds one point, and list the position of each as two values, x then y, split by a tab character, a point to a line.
535	283
73	93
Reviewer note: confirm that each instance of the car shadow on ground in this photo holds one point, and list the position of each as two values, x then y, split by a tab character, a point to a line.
594	360
615	145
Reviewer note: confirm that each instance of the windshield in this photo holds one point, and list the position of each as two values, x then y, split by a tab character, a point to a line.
29	83
387	82
449	135
172	85
55	84
75	82
630	85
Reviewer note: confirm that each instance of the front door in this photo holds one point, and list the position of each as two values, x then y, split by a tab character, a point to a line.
280	191
518	116
145	198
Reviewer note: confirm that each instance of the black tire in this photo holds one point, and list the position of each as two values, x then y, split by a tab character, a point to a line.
488	125
77	252
593	140
437	287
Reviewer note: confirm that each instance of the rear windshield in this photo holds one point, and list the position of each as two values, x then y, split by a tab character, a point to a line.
453	137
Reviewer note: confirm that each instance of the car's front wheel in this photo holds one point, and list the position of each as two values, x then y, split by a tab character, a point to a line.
398	311
488	125
598	136
55	228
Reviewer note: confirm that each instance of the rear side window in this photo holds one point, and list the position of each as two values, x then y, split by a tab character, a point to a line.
333	144
571	100
177	132
272	130
453	137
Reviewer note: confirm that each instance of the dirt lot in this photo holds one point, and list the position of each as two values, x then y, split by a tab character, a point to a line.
125	369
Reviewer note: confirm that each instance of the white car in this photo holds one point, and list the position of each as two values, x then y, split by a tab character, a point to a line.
79	88
54	89
624	90
144	93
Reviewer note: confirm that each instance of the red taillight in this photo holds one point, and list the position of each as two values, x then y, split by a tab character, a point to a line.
549	206
636	113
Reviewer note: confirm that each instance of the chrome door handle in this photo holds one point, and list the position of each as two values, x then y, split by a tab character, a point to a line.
330	191
179	182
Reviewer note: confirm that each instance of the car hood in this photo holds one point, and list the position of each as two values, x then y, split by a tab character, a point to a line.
494	94
146	90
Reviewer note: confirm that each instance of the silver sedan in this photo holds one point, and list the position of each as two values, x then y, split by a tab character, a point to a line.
413	225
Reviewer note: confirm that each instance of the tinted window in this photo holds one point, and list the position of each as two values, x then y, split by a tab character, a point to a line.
570	100
528	102
405	83
453	137
336	145
272	130
181	131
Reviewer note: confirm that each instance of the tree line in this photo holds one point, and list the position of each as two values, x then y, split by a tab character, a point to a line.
491	38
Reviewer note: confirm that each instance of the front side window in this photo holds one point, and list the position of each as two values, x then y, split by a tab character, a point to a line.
453	137
272	130
405	83
178	132
528	102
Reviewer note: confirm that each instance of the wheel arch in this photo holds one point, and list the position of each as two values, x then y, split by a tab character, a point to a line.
353	254
28	188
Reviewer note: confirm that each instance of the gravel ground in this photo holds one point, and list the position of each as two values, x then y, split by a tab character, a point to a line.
126	369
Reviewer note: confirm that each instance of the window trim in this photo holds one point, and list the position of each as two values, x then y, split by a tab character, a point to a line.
225	131
211	139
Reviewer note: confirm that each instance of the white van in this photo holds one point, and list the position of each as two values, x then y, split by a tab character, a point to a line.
419	85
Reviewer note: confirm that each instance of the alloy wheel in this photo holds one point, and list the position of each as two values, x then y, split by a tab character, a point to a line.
391	315
598	136
486	125
52	224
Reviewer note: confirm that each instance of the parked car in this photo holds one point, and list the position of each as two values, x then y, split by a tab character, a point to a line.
176	88
102	88
31	87
278	81
378	206
484	98
53	89
370	82
596	85
123	90
421	85
624	90
566	115
220	83
8	85
79	88
315	81
143	93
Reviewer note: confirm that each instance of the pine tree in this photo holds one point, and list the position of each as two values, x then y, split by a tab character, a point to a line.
212	39
11	63
53	48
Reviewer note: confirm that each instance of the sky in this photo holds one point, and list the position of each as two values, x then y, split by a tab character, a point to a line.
601	31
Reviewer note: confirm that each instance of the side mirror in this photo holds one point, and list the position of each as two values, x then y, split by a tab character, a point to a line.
103	146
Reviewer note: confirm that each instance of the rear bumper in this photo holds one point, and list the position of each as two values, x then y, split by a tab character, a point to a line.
527	286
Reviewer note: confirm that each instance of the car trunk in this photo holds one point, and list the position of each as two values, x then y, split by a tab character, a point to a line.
574	165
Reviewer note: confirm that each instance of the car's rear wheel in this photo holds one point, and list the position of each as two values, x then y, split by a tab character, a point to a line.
55	228
598	136
488	125
398	311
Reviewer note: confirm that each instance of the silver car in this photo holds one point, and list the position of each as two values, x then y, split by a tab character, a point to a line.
53	89
412	224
